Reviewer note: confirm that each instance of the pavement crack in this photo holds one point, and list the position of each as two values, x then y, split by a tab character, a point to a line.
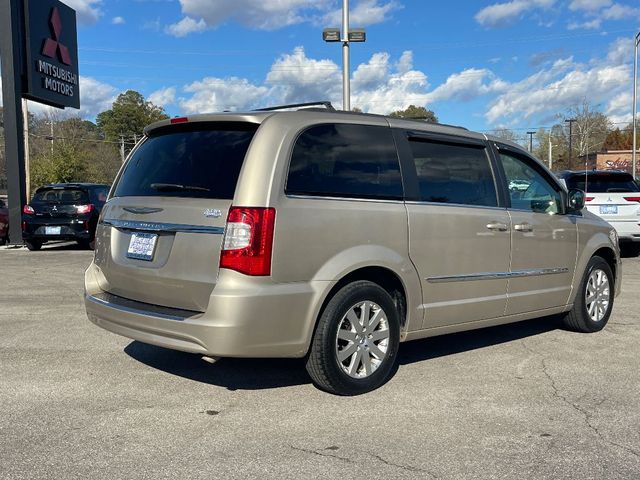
584	412
322	454
409	468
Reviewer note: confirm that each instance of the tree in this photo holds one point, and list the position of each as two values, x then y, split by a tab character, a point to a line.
128	116
589	130
418	113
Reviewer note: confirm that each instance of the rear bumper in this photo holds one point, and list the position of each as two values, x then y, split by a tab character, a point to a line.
71	229
246	317
628	231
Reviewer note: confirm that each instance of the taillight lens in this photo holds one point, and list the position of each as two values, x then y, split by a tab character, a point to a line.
248	240
632	199
588	199
28	210
85	208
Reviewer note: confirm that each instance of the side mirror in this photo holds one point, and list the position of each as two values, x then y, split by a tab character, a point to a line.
576	200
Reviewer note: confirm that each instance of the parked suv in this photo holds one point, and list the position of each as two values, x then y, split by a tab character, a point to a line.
63	211
334	237
614	196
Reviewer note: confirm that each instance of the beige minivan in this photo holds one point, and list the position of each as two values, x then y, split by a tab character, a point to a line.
335	236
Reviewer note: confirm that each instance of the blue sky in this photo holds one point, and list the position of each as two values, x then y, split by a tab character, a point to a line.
483	65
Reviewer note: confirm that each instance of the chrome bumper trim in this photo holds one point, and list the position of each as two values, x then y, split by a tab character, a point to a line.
161	227
534	272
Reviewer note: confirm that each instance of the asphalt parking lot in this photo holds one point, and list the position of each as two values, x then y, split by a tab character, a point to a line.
523	401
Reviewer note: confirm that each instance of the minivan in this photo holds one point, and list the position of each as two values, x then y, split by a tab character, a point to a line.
335	236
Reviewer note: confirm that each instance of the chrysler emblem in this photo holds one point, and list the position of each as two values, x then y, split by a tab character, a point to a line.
212	213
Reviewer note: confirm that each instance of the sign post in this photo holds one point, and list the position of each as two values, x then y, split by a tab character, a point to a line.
39	54
11	57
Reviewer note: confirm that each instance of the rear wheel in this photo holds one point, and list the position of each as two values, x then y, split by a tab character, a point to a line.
594	301
355	346
33	245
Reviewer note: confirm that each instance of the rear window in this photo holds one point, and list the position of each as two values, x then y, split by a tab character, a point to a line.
343	160
201	160
603	183
73	196
99	194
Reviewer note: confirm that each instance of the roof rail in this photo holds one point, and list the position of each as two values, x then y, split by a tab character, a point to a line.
326	104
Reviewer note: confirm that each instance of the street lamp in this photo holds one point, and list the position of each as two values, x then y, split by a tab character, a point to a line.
635	100
531	134
348	36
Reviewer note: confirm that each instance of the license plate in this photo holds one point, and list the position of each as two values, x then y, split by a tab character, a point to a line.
52	230
609	209
142	246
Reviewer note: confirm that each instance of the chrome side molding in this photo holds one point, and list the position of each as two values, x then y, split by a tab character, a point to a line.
534	272
161	227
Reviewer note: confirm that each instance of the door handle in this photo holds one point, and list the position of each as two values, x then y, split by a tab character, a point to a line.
497	226
523	227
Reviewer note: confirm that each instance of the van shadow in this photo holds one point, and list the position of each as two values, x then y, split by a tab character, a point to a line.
257	374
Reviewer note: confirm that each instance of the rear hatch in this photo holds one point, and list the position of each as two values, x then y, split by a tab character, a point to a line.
161	232
613	196
58	203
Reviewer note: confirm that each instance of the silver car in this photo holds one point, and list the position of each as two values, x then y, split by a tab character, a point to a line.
336	236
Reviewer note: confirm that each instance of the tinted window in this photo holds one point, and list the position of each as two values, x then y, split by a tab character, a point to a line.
193	160
603	183
528	188
72	196
340	160
450	173
99	194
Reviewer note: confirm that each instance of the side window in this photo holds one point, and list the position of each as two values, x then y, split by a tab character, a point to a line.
458	174
342	160
99	195
528	189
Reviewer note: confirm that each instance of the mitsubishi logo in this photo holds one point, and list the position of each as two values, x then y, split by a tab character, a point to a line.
52	46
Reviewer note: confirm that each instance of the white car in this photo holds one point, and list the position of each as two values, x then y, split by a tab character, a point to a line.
614	196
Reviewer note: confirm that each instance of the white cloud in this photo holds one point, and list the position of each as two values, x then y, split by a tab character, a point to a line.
217	94
619	108
296	78
186	26
589	25
118	20
95	96
564	84
588	5
499	14
275	14
163	97
467	85
87	11
261	14
617	11
366	12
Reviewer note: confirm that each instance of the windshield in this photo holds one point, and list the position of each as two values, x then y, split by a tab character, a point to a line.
603	183
201	160
72	196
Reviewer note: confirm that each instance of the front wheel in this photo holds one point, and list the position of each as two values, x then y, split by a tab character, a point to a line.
594	301
355	346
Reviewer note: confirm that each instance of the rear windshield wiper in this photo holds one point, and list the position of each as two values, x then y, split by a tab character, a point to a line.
175	187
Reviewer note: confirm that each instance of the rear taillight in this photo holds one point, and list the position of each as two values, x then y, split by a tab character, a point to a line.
28	210
632	199
588	199
85	208
248	240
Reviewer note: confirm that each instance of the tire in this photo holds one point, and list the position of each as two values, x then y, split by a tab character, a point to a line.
579	319
368	363
87	244
630	249
33	245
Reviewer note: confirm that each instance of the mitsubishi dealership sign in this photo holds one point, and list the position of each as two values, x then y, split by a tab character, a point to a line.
51	54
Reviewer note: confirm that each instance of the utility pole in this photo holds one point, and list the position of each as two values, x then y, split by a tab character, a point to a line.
635	103
550	152
51	131
122	148
531	141
570	121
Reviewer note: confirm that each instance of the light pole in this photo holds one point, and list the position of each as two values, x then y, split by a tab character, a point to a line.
551	145
635	101
348	36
